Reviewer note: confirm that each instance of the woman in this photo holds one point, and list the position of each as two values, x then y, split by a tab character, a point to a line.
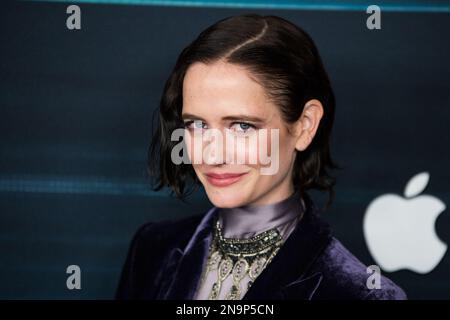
263	238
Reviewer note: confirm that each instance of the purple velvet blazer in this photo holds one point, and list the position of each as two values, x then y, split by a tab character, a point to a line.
165	261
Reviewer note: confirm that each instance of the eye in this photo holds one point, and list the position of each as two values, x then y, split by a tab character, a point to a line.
242	127
194	124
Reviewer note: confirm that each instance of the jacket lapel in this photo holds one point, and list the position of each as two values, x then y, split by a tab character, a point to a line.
184	267
284	278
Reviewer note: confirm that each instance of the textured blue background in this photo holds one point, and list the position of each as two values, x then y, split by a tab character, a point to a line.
75	113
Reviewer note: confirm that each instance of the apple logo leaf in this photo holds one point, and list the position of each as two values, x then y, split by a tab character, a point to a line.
416	184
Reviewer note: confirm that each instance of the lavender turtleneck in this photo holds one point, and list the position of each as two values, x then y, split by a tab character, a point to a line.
249	220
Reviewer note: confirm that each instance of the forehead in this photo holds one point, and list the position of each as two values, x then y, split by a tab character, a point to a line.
223	88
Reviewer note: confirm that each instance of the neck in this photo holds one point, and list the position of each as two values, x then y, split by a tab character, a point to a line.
248	220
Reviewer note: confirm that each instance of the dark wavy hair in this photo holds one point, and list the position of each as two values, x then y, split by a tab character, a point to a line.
282	58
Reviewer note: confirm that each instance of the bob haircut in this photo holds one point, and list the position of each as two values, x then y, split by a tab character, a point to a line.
284	60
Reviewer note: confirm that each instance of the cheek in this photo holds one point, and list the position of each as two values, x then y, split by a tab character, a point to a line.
188	144
253	150
188	147
274	152
193	146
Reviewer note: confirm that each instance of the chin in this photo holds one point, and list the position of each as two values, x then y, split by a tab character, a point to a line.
223	198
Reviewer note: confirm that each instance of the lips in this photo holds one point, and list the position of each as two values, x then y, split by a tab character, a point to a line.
224	179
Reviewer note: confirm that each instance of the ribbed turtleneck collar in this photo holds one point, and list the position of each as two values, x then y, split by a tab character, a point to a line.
246	221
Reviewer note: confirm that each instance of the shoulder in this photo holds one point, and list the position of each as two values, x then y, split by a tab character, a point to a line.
156	239
167	232
346	277
148	252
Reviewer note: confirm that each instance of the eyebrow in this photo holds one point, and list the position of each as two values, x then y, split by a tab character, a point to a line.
232	117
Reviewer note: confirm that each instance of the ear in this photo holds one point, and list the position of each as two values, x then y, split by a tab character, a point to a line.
308	123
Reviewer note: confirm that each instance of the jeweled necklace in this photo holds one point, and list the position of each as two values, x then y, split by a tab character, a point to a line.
240	257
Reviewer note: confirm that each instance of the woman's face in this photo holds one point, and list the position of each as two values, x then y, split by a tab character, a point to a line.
220	96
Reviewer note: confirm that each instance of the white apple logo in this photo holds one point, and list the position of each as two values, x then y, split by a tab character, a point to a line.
400	232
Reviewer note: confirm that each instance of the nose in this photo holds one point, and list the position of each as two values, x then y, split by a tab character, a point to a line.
214	147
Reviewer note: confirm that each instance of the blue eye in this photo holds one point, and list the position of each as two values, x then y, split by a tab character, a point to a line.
243	127
197	124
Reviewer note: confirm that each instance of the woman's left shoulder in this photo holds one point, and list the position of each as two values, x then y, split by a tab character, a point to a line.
344	276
